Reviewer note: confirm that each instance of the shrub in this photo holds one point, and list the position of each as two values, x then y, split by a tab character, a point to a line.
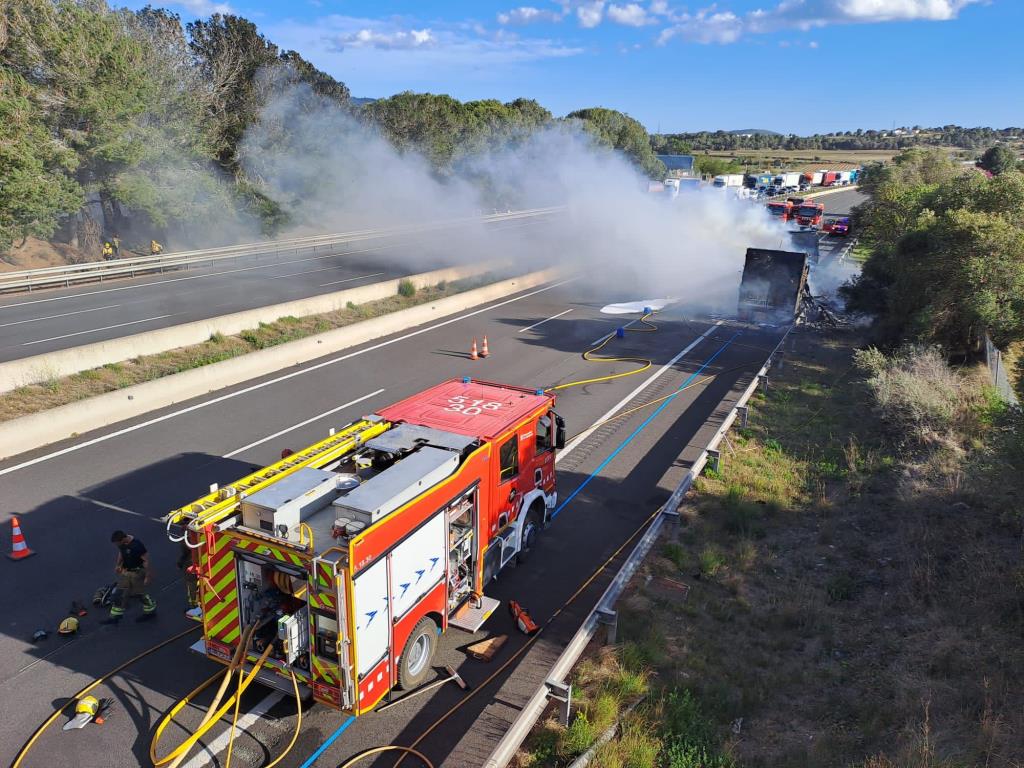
712	561
406	288
578	736
217	337
915	390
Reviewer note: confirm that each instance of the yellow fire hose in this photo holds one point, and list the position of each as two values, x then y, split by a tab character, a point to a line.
643	362
94	684
182	749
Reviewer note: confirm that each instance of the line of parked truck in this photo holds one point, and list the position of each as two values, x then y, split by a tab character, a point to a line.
771	184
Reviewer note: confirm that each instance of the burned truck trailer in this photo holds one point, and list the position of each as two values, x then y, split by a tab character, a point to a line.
772	286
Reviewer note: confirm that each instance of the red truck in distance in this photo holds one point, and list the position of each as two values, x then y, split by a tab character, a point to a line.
829	178
784	210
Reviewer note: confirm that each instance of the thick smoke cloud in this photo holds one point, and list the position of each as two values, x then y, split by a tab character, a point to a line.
332	173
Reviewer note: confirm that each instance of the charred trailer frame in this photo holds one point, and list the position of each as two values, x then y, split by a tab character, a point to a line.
773	285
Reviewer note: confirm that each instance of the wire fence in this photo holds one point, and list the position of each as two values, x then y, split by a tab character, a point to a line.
997	371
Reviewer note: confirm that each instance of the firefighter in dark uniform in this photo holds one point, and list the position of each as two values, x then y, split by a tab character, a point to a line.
133	576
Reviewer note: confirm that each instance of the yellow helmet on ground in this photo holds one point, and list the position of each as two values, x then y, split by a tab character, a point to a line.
87	705
69	626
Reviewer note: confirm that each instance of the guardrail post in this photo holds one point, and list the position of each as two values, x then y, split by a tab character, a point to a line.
610	619
714	460
562	693
742	411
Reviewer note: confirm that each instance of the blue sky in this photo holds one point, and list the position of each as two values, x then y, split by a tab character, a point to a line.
787	65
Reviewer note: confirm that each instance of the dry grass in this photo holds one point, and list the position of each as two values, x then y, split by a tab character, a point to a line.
60	391
853	600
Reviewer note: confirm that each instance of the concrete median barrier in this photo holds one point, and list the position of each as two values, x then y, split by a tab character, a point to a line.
30	432
64	362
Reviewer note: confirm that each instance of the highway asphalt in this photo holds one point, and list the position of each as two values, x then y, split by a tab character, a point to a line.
44	321
71	495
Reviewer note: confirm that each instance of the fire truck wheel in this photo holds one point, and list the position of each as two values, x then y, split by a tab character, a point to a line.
414	664
531	532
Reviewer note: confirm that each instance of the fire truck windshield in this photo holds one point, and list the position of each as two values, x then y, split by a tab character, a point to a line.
776	210
808	211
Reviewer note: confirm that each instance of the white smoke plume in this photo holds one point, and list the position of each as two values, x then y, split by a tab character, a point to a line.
334	174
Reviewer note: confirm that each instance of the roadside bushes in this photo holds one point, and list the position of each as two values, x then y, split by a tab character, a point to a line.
915	390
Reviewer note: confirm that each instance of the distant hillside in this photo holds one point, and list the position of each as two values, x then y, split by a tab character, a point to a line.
360	101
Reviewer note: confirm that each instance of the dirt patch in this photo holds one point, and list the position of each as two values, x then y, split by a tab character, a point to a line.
36	254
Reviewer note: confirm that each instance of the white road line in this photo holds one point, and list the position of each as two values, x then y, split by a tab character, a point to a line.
106	505
646	383
529	327
210	750
64	314
301	424
94	330
350	279
261	385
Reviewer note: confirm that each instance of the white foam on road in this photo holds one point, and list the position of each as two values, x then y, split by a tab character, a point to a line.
636	307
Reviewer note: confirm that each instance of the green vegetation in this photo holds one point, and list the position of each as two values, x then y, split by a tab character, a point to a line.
946	252
860	139
708	165
147	121
406	288
60	391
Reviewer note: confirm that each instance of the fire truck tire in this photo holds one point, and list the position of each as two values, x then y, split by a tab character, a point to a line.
531	531
414	665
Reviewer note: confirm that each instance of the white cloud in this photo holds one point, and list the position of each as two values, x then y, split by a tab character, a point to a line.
590	13
812	44
630	15
400	39
527	14
713	26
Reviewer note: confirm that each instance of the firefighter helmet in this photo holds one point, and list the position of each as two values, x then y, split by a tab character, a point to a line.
86	708
69	626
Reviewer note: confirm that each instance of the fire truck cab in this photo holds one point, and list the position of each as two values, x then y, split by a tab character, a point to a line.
351	556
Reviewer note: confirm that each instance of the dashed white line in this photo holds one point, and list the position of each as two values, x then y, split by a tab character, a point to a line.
530	327
269	382
301	424
95	330
350	279
63	314
210	751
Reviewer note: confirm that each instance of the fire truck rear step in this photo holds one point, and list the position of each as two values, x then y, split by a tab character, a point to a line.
471	618
269	679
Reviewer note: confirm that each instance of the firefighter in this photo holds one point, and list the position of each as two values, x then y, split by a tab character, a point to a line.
189	570
155	248
108	251
133	576
115	241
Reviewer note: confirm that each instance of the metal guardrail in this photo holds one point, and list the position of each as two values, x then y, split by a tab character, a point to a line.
48	277
997	371
534	708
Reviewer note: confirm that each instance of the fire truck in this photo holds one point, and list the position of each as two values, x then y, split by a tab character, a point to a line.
350	557
809	214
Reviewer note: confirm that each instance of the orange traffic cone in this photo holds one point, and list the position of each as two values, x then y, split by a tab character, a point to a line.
19	549
484	352
472	351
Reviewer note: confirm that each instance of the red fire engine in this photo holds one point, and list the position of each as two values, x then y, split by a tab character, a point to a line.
351	556
809	214
784	210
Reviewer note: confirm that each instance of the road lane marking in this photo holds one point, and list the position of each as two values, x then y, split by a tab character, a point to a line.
643	425
107	505
301	424
63	314
210	751
95	330
350	279
269	382
225	272
530	327
575	442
